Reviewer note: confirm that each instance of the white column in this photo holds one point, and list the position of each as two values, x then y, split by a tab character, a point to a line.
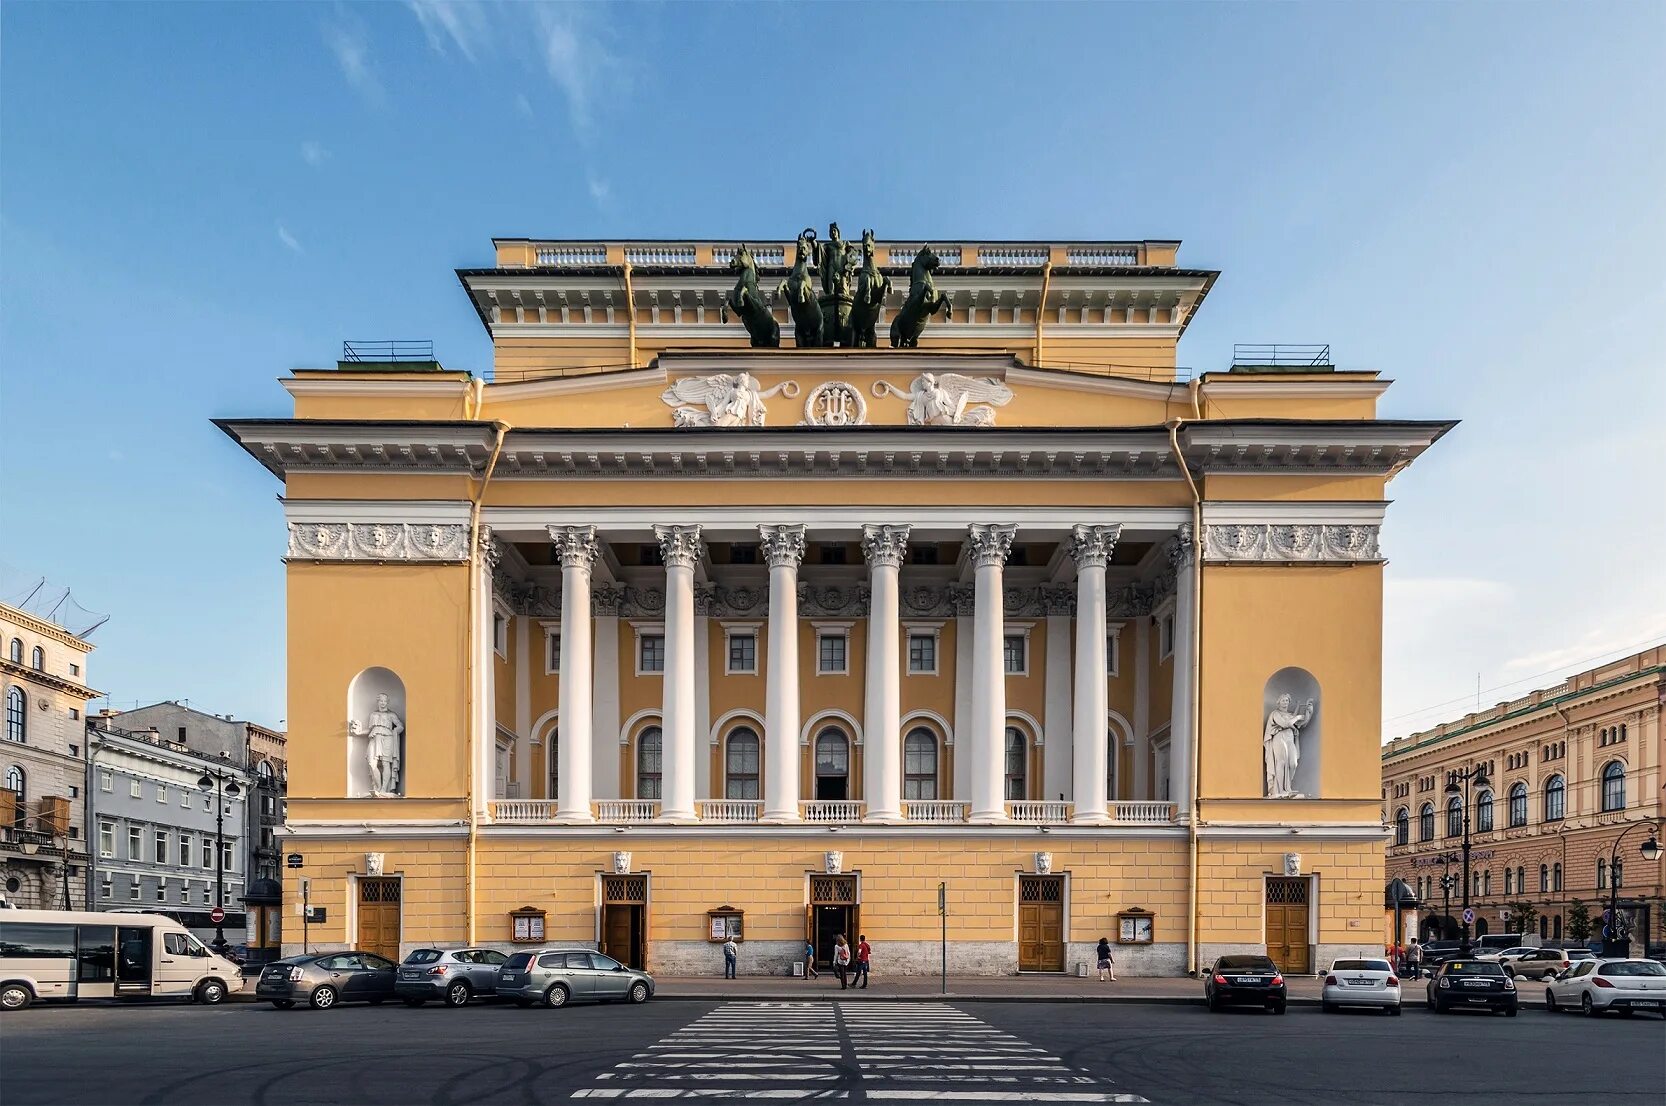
604	698
1142	708
680	548
884	546
576	547
1182	554
1056	720
483	748
990	546
1091	546
783	546
962	737
523	701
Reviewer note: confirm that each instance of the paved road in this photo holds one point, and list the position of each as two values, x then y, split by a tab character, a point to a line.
850	1051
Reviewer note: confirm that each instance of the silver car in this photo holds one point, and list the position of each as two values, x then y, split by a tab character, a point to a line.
556	977
1361	983
452	976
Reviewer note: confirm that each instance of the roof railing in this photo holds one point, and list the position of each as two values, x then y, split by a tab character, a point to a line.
1281	355
388	350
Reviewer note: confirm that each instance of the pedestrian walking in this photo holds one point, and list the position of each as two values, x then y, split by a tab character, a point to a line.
731	952
864	952
1107	962
841	959
810	960
1414	959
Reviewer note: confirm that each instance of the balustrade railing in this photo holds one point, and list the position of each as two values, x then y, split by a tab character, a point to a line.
660	255
627	810
1142	813
1039	812
831	810
571	255
730	810
1103	255
904	255
761	255
1013	255
523	810
936	812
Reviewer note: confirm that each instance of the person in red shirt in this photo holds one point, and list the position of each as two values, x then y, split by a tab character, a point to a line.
863	952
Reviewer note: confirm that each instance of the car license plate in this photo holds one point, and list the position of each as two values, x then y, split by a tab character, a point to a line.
1646	1004
1475	983
1247	979
1361	982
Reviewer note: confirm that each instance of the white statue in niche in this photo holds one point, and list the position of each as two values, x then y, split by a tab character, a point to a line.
383	730
950	399
1281	748
728	399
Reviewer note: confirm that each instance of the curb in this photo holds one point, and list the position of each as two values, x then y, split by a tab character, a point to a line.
952	996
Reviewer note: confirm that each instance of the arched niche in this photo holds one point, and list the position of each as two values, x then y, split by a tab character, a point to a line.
1291	719
372	734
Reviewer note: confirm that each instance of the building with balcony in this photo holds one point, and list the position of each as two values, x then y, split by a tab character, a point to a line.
43	847
656	636
1569	769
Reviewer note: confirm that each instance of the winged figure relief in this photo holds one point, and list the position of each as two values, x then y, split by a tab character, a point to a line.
724	399
950	399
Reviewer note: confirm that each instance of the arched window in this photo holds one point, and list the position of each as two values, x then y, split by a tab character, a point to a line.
740	765
1613	786
919	765
1544	926
16	651
1402	826
1558	927
1556	878
1556	799
17	782
1486	882
832	765
552	755
1518	804
1617	872
264	769
17	715
649	763
37	659
1018	763
1426	822
1544	878
1483	812
1521	879
1509	881
1454	816
1602	871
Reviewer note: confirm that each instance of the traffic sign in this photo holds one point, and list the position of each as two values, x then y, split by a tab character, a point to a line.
217	915
293	860
1469	915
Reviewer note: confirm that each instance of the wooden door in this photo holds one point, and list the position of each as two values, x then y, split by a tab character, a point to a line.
1041	924
1287	924
625	919
379	917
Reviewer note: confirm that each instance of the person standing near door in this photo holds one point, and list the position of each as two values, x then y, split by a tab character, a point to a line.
863	952
731	952
841	959
1107	962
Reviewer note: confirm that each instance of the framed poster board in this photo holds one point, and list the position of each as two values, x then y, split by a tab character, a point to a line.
725	922
1135	927
526	926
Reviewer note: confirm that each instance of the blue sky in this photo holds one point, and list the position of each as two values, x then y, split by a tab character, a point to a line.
196	198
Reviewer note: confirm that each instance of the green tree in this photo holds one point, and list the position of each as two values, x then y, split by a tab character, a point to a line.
1579	921
1523	917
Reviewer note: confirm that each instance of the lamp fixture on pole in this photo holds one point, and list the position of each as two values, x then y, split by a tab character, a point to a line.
221	785
1650	850
1462	783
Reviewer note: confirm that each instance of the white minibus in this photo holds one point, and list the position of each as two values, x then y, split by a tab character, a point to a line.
69	954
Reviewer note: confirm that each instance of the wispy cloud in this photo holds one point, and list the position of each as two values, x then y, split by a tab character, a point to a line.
600	190
289	241
462	25
575	57
314	153
1593	648
348	41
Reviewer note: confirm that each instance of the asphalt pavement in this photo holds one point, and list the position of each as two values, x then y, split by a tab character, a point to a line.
785	1051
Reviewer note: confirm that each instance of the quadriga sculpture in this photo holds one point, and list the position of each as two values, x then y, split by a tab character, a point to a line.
747	302
800	294
924	301
872	286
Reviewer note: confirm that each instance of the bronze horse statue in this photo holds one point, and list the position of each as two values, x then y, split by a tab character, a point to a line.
747	302
800	295
924	301
872	286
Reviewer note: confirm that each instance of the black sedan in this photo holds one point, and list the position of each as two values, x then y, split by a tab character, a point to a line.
1475	984
324	979
1245	981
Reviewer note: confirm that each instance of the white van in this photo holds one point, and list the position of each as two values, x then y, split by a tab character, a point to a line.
67	954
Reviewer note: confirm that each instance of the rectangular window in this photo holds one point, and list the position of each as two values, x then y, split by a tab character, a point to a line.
831	659
161	794
226	856
161	846
834	555
1113	658
207	855
135	843
743	553
1165	637
106	886
207	895
162	890
135	790
552	644
182	735
107	839
184	850
106	781
74	791
500	634
743	654
75	670
133	889
922	653
1013	654
651	653
184	798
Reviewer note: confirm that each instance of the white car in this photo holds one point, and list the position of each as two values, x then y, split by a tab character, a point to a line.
1598	986
1361	983
1506	956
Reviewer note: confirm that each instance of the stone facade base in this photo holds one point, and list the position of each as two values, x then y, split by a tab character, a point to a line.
912	958
1129	960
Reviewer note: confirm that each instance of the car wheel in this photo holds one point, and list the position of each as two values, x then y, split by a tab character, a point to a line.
413	1003
457	994
16	996
1550	1000
1510	1011
1585	1006
323	998
1209	1001
283	1003
1394	1010
639	992
211	992
1278	1008
556	996
1327	1007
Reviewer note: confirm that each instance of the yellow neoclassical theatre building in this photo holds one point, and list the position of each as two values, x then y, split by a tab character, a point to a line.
754	593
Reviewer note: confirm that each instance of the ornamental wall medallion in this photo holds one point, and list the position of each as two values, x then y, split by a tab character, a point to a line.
835	403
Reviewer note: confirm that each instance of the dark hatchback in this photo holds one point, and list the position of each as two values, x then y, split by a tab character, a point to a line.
326	979
1475	984
1245	981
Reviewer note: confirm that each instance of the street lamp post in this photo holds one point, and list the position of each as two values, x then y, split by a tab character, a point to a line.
1469	778
220	784
1650	850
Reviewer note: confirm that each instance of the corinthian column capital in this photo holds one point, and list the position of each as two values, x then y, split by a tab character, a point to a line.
991	543
783	546
1182	549
679	546
575	545
1092	545
885	545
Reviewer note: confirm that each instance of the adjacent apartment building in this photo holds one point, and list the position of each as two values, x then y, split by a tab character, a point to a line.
1574	787
43	838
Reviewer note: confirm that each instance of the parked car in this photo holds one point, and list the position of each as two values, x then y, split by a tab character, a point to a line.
325	979
1246	980
1598	986
1492	943
1471	983
556	977
1361	983
1434	952
1547	962
1508	956
450	975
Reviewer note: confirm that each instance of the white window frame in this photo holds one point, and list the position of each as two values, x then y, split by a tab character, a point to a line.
135	789
184	844
106	885
1019	630
184	798
1163	617
106	782
645	630
933	630
1113	648
229	854
732	630
133	890
552	643
106	838
162	889
839	630
502	617
135	843
161	846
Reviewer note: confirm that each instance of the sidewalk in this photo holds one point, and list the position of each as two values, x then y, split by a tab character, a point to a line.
1024	988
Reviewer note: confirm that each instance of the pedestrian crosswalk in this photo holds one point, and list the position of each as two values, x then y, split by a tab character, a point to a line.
878	1052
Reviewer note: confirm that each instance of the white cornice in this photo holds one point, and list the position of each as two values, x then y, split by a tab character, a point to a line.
569	385
922	519
436	511
1296	512
1272	387
687	331
1276	831
1103	385
370	386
